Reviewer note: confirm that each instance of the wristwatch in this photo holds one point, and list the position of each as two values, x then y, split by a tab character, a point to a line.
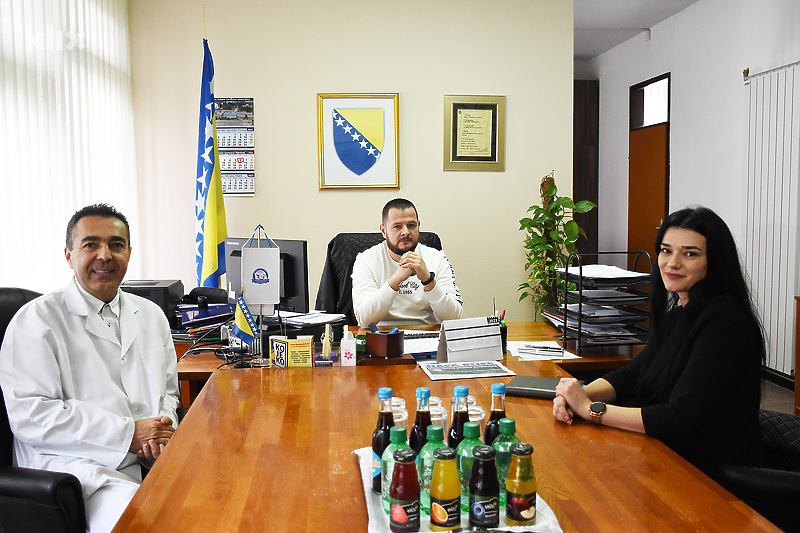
597	409
429	280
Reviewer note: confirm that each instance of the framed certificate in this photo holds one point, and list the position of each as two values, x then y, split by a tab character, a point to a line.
358	141
474	133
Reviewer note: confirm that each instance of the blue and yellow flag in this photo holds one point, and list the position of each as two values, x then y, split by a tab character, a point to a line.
209	207
244	326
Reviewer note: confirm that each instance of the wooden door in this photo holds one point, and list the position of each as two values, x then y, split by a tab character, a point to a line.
648	180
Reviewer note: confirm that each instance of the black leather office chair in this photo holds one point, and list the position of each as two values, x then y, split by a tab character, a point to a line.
773	490
33	500
335	294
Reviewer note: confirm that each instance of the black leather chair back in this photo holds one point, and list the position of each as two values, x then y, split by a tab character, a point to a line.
335	294
11	299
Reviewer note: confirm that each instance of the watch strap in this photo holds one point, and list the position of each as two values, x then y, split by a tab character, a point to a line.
429	280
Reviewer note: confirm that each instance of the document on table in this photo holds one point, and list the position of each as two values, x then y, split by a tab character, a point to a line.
539	351
465	369
420	343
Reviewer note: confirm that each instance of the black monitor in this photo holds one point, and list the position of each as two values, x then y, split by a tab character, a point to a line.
294	271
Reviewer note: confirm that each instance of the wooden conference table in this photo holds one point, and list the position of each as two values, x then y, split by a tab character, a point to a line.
271	450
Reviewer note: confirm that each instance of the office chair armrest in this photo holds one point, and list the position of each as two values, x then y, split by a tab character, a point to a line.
40	486
753	484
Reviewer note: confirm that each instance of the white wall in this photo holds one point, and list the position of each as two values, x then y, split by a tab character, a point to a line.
705	48
284	53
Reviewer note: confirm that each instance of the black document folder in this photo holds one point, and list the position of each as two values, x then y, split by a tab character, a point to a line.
533	387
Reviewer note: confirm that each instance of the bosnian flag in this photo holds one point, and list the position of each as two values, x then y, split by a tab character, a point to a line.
244	326
358	137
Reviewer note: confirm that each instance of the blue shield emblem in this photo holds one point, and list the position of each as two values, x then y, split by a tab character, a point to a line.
358	137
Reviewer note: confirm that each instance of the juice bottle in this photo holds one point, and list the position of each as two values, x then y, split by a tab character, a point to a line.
380	437
404	492
425	462
498	411
397	440
484	507
460	416
445	491
502	444
464	459
521	487
418	435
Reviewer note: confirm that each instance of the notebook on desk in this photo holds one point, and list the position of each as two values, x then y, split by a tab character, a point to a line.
420	344
533	387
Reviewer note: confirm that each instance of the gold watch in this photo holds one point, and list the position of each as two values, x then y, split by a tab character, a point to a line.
597	409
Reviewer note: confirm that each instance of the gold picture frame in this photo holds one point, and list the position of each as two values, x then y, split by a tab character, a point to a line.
474	133
358	140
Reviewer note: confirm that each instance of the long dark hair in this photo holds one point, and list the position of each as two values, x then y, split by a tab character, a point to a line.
724	276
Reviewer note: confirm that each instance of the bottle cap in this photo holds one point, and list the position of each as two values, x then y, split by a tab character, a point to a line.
472	429
423	392
508	426
397	434
404	455
498	388
483	452
461	391
521	448
435	433
444	453
384	393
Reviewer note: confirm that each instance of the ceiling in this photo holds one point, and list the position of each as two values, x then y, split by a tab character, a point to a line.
600	25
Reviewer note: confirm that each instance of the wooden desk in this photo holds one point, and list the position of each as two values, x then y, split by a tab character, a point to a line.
271	450
195	369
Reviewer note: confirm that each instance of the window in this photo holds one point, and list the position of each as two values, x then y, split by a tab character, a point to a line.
649	102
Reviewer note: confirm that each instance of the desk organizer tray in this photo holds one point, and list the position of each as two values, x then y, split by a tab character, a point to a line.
546	521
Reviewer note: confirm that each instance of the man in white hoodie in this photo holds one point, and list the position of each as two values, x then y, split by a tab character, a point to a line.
400	281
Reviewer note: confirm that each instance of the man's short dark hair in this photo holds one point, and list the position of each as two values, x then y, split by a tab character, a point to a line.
398	203
95	210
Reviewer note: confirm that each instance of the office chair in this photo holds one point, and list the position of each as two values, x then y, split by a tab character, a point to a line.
32	500
335	294
772	490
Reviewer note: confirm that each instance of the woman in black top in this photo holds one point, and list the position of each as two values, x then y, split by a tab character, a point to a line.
697	383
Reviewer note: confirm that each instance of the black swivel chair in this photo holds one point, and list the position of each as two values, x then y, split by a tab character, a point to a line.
773	490
335	294
33	500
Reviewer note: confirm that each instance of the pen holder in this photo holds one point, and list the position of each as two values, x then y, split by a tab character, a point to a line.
385	344
504	338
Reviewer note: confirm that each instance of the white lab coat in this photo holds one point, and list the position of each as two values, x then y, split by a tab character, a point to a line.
57	366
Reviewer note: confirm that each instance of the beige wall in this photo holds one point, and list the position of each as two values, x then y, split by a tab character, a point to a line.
283	53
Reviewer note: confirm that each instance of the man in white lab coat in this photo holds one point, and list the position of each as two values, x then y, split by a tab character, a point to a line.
89	372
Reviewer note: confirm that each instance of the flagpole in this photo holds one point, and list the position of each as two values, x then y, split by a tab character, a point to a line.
205	33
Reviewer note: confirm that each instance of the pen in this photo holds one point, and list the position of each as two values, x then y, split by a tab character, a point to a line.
373	328
544	348
393	330
503	315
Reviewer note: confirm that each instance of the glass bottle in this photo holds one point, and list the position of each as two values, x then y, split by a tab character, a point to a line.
445	491
418	435
521	487
404	492
484	489
397	440
464	459
502	444
459	417
498	411
380	437
425	463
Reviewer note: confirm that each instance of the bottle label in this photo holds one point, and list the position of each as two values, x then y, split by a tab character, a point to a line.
404	514
445	513
376	465
521	507
484	511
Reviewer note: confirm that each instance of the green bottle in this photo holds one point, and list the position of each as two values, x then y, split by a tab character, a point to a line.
502	444
425	460
464	459
397	440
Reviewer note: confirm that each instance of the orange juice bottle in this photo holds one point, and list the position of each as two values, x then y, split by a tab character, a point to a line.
445	491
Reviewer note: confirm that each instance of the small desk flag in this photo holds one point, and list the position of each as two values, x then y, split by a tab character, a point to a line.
244	326
209	207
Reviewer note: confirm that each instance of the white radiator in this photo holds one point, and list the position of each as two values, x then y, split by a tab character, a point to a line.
770	254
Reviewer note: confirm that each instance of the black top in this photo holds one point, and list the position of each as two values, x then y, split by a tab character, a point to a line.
700	387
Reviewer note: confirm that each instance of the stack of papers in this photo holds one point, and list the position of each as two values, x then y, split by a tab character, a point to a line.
315	318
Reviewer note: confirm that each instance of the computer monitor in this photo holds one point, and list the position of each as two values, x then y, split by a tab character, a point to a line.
294	271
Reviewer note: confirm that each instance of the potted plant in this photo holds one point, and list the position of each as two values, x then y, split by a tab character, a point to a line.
550	236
